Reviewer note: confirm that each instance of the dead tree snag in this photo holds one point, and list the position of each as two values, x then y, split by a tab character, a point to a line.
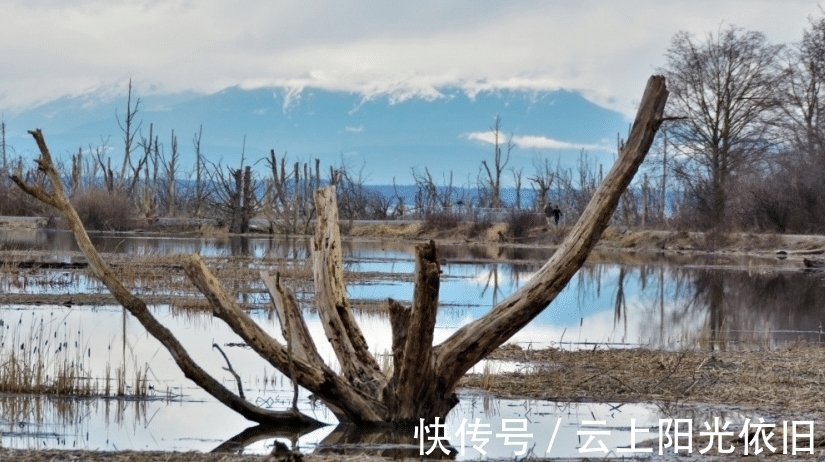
422	383
56	198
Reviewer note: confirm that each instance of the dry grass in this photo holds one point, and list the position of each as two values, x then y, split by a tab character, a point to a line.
50	362
104	210
29	364
440	221
155	277
382	230
788	381
522	223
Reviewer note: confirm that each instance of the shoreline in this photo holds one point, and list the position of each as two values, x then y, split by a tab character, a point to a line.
614	238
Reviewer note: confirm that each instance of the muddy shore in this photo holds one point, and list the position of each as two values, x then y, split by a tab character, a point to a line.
792	246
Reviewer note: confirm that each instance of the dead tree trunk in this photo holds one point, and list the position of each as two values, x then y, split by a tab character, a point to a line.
424	377
248	200
137	307
236	199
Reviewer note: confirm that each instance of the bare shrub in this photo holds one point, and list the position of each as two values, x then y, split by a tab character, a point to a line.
441	220
520	222
479	225
715	239
100	209
14	202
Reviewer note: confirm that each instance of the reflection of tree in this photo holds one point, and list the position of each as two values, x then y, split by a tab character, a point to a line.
395	443
239	246
588	283
644	270
710	291
518	270
788	303
492	278
738	307
380	441
620	306
660	288
251	435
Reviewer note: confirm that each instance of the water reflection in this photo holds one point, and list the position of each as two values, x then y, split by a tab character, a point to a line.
187	425
663	301
62	242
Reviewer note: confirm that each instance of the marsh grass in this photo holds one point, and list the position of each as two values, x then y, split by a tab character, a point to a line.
479	226
37	361
521	222
787	381
439	221
46	361
158	279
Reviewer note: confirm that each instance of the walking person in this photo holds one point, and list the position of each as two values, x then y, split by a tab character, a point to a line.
548	212
556	213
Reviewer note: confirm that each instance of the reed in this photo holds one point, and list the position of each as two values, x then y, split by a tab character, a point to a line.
42	361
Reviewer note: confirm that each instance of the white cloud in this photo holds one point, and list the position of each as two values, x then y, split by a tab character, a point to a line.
605	49
532	141
358	129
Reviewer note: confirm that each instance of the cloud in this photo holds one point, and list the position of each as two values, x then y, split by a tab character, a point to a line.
402	50
532	141
358	129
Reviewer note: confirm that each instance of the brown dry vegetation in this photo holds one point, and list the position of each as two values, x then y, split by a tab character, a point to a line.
788	382
614	238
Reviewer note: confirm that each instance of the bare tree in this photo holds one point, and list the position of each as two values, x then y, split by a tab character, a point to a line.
663	184
357	200
541	182
500	160
400	208
578	192
129	174
724	92
151	148
77	171
170	168
290	213
803	92
788	194
429	196
517	174
3	147
129	132
235	196
200	167
423	381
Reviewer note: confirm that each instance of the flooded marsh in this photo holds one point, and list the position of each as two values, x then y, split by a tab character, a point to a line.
130	394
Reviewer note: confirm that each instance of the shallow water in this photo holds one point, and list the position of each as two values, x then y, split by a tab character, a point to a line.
619	300
505	428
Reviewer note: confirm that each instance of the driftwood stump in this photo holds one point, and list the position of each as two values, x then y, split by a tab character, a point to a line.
423	380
